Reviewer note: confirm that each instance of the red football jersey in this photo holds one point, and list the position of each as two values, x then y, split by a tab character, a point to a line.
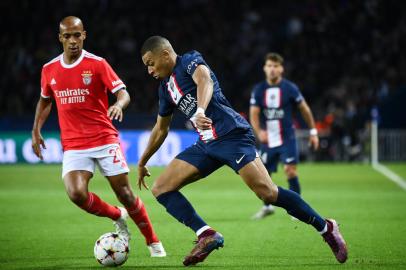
80	93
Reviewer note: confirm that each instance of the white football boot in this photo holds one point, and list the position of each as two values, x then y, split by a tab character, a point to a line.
157	249
265	211
121	224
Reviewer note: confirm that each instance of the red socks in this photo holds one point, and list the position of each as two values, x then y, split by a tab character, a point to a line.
139	214
94	205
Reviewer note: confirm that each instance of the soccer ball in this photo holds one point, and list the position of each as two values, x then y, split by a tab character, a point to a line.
111	249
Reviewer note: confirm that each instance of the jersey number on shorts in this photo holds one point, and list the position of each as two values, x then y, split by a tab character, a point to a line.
118	156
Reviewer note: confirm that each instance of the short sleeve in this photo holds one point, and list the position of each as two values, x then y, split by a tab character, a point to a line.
110	78
46	91
191	60
295	94
165	107
255	99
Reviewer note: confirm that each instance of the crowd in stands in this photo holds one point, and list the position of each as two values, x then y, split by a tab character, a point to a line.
346	56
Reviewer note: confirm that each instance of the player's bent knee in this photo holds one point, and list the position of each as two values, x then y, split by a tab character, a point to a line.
78	197
269	195
159	188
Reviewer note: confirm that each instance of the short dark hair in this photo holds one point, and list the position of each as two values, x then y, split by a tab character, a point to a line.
153	43
275	57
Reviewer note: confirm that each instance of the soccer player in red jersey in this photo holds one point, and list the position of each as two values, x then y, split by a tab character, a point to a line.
78	81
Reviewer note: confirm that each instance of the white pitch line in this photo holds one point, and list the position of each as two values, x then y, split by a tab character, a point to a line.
390	175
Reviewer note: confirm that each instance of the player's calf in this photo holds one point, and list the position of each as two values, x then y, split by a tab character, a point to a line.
125	196
96	206
139	215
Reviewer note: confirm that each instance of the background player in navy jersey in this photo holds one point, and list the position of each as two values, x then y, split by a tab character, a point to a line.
188	84
272	101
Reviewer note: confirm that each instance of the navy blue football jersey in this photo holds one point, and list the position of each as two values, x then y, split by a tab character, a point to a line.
180	91
276	102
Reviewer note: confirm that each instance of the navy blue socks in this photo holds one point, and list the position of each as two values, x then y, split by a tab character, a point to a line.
297	207
294	184
181	209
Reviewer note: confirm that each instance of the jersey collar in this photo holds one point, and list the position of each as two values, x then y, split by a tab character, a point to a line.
74	64
273	85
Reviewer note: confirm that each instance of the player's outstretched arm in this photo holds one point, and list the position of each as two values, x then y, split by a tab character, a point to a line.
308	117
116	110
42	111
204	83
157	137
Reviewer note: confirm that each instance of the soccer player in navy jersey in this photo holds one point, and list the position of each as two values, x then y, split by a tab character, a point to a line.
226	138
271	105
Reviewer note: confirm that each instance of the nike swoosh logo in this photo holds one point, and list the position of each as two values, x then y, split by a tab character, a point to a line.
290	159
239	160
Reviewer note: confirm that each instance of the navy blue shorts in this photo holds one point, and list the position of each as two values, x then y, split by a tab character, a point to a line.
286	153
235	149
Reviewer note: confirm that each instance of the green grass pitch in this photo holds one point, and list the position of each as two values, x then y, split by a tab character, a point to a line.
42	229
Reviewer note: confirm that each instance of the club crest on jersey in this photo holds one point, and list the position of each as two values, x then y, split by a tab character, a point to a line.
174	90
87	77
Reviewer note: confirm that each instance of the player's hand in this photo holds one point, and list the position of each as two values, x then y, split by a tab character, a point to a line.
115	112
142	172
263	136
314	142
37	142
202	122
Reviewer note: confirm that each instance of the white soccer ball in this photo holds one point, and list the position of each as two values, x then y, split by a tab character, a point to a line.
111	249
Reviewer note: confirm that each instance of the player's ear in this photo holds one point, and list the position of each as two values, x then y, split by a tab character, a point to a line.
165	55
84	35
60	37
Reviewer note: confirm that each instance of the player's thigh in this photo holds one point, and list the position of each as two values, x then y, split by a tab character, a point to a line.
76	184
118	182
188	166
257	179
77	170
176	175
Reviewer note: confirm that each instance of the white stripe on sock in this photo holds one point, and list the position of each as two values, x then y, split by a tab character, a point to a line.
202	229
324	230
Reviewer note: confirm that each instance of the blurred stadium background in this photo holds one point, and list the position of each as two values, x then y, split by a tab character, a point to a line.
347	57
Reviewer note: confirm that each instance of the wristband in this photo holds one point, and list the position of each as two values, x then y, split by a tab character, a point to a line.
313	132
199	110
